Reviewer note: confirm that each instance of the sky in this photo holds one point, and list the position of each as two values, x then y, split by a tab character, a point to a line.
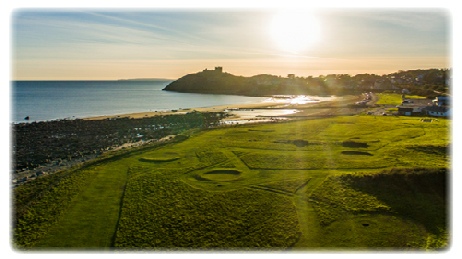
110	44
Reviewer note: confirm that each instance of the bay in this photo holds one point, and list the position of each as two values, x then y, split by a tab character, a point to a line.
53	100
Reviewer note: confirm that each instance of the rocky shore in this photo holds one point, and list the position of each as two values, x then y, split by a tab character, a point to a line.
39	148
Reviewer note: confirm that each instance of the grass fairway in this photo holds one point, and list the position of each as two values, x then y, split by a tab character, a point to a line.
357	182
90	220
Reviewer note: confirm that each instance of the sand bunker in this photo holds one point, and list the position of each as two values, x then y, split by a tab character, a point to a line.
222	175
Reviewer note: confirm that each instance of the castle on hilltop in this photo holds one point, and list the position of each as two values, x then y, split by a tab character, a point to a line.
217	69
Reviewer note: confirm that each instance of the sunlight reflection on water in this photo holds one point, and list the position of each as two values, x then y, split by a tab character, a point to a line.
297	99
257	115
252	113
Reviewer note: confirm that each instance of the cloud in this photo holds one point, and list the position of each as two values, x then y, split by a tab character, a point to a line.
208	37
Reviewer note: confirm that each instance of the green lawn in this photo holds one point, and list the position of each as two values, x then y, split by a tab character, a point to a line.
395	99
389	98
356	182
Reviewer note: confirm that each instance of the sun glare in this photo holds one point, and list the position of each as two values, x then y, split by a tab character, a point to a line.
295	31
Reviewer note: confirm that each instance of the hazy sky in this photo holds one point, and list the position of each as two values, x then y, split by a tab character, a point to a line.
105	44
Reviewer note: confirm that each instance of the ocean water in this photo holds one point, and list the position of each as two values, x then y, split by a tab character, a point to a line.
52	100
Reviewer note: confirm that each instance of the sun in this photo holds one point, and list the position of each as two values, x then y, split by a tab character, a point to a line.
295	31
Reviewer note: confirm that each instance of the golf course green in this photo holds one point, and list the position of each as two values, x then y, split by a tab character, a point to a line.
338	183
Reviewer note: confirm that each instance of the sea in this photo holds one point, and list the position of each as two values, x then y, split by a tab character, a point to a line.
55	100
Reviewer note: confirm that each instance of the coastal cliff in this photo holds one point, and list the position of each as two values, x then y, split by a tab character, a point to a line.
427	82
218	82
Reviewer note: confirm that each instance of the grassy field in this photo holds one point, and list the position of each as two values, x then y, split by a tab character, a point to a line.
356	182
394	98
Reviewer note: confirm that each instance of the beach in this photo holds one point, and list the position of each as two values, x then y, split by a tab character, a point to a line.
274	108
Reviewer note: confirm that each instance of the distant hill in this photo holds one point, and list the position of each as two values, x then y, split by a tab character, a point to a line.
218	82
427	82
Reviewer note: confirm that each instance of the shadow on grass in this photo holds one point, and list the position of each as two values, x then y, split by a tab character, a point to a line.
360	153
420	195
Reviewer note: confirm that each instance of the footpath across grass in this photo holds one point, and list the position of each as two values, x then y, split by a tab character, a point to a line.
353	182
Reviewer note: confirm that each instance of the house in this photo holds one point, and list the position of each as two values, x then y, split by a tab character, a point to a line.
440	108
438	111
410	107
442	101
408	110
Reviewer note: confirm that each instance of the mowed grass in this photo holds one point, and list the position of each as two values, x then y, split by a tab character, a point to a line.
90	219
394	98
257	187
389	98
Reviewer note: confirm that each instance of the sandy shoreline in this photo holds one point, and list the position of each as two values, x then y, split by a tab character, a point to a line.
273	107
